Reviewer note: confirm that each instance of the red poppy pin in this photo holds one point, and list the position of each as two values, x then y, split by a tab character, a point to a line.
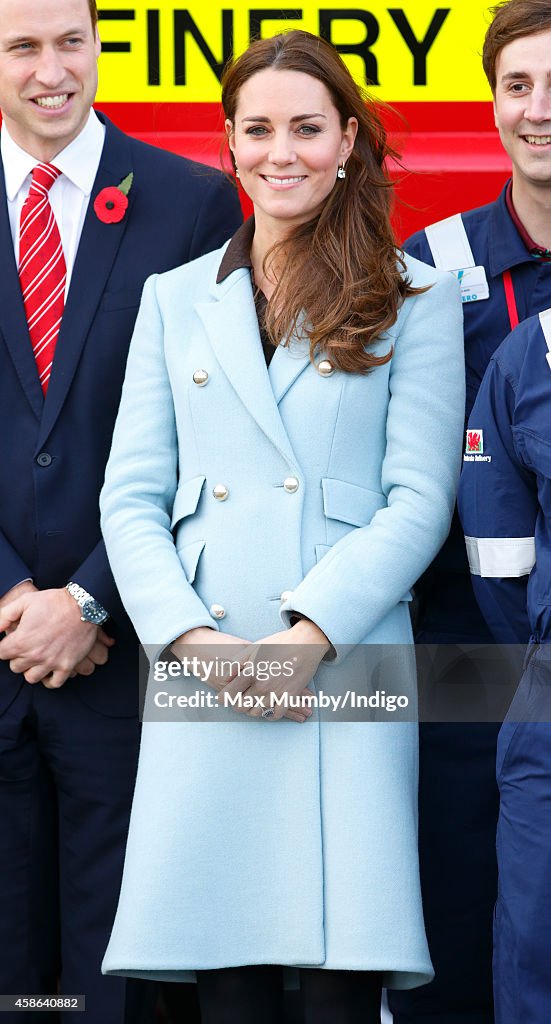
111	203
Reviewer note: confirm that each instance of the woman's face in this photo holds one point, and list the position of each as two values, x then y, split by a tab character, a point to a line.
287	141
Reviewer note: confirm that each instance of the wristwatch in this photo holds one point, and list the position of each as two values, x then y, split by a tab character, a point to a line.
90	609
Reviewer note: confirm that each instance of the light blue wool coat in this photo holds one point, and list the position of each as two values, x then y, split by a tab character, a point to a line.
272	842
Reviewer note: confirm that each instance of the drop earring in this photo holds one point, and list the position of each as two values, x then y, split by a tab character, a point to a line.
341	173
237	175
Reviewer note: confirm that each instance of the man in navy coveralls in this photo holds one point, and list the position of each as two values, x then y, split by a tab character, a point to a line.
505	505
501	254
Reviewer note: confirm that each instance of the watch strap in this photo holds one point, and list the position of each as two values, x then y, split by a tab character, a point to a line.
82	596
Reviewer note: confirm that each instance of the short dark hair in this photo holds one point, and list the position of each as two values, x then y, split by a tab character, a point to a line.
512	19
93	12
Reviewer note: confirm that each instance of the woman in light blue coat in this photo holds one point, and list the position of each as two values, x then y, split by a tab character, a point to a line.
283	469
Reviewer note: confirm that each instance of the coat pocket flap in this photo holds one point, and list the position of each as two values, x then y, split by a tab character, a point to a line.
187	498
350	503
189	555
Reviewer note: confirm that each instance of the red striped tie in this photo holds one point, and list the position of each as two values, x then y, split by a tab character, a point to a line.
42	270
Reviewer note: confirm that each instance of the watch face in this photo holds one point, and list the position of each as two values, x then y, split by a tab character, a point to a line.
93	612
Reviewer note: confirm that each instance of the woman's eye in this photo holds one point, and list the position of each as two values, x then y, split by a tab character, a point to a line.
308	129
257	130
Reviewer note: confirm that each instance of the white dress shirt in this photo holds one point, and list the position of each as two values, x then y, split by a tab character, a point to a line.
69	194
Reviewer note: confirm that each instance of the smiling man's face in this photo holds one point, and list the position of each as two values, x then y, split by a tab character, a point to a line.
48	72
522	106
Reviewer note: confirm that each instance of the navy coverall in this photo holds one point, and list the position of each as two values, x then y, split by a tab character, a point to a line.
458	797
505	504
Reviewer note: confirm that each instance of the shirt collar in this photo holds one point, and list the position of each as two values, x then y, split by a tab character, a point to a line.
79	161
535	250
238	252
506	247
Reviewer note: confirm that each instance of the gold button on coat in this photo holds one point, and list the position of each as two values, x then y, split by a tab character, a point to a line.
220	492
285	596
217	611
325	368
290	484
200	377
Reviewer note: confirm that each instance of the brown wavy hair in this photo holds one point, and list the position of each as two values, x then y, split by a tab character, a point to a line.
512	19
342	278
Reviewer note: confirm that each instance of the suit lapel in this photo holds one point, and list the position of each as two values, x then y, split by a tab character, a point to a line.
97	250
13	322
232	328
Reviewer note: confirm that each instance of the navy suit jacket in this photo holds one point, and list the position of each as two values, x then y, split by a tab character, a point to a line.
55	449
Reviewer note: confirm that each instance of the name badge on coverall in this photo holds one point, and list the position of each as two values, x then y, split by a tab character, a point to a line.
474	284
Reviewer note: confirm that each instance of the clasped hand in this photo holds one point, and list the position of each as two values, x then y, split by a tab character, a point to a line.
273	672
46	640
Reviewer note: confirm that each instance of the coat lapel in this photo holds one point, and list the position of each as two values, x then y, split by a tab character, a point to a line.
232	328
13	322
287	364
97	250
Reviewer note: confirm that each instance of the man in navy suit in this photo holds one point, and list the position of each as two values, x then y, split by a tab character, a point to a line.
68	669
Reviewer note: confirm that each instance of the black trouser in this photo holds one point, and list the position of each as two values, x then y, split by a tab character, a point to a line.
66	780
247	995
